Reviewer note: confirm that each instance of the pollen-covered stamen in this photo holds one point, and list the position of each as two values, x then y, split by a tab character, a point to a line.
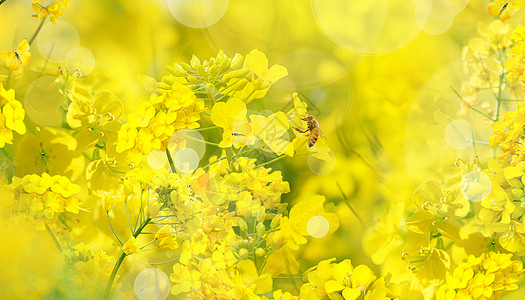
109	116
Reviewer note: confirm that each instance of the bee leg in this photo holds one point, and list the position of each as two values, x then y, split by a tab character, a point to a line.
300	130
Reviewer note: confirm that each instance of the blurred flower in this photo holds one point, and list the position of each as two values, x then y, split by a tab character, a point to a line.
54	10
40	198
52	151
12	116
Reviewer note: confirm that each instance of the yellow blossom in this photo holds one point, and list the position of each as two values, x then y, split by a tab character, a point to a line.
131	246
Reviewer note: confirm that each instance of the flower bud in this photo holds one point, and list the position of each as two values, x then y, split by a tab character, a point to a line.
224	65
244	243
164	86
243	253
260	214
260	252
194	61
187	67
242	225
109	200
213	69
176	70
192	79
237	61
200	69
276	221
169	80
260	229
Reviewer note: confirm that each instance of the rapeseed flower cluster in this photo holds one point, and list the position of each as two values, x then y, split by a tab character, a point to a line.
52	10
154	122
483	277
41	198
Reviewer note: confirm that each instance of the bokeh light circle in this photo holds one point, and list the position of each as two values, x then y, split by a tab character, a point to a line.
152	284
436	26
429	147
54	42
198	13
186	160
475	186
369	27
309	67
321	166
82	59
42	102
459	134
193	139
157	159
318	226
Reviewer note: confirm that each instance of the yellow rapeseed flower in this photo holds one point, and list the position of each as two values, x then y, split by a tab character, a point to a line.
131	246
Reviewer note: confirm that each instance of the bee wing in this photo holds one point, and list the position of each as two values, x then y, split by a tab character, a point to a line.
25	58
495	8
506	14
23	47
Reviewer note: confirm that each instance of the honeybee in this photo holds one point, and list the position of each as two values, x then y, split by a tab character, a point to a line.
313	130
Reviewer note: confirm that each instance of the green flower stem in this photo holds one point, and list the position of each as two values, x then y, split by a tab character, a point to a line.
473	108
61	219
121	259
205	128
240	151
272	161
229	153
53	236
165	262
206	142
2	2
217	160
127	215
170	161
350	206
150	249
37	30
113	274
263	264
111	226
152	241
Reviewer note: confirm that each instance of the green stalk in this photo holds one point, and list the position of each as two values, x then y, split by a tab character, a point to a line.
272	161
37	30
121	259
170	161
53	236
